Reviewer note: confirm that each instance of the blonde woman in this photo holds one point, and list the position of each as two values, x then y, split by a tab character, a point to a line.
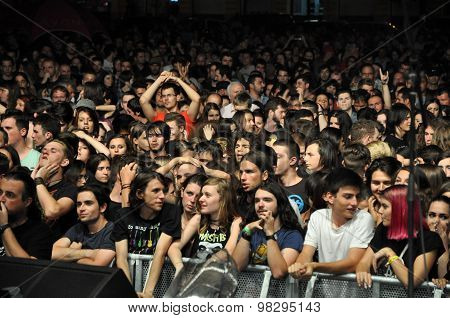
380	149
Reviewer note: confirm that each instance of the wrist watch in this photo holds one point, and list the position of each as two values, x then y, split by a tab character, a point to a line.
3	227
270	237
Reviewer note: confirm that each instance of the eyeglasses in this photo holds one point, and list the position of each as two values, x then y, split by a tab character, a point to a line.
167	95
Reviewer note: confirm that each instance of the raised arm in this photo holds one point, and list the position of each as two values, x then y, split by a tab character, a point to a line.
145	99
193	96
385	88
98	146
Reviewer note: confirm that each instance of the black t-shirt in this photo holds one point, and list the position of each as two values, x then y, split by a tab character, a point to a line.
100	240
432	242
143	235
210	241
35	237
394	142
113	211
297	194
64	223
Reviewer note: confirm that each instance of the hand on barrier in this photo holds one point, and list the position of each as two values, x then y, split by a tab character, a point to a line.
364	279
440	282
145	295
301	271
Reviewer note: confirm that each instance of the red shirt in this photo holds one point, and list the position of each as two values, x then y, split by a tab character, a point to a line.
189	124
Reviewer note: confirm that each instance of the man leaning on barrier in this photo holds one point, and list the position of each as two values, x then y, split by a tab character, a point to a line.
341	233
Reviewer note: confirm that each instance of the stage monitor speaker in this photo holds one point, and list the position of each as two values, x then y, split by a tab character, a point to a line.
39	278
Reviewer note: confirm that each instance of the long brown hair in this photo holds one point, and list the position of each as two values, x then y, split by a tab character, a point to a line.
227	205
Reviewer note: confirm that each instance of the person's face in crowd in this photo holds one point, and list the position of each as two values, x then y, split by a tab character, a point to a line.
185	171
312	158
39	136
4	94
367	72
49	68
382	119
359	104
324	74
406	124
283	77
345	202
209	201
402	177
241	149
88	78
155	69
156	141
11	192
213	115
169	98
259	124
88	209
268	89
176	132
108	80
337	77
153	195
279	115
189	197
83	152
214	98
235	90
444	99
200	60
251	175
385	210
125	66
445	166
284	162
212	71
334	122
331	89
76	62
20	105
227	60
258	85
434	109
322	101
21	81
142	142
380	181
398	78
65	71
260	68
59	96
140	58
265	202
218	77
53	153
14	134
438	218
85	122
344	101
418	120
125	99
103	171
204	157
117	147
7	68
82	178
249	123
429	133
375	102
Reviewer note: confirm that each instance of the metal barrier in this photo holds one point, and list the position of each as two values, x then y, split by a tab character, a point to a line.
257	282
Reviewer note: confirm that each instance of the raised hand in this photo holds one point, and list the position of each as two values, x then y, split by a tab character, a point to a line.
384	77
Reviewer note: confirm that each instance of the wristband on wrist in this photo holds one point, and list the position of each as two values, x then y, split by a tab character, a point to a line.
39	181
392	259
126	186
270	237
3	227
246	236
247	230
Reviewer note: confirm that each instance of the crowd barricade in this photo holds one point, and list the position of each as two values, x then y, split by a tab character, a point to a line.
257	282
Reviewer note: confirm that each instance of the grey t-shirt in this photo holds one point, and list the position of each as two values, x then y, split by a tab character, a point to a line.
100	240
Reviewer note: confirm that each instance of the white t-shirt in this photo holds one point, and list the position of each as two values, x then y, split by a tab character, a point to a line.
333	244
228	111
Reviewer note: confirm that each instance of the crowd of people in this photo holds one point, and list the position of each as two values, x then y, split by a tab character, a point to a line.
287	150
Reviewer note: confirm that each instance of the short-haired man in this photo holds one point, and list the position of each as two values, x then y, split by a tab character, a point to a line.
340	233
45	129
364	132
16	126
56	196
345	103
177	125
256	87
274	112
233	90
88	242
356	157
171	96
376	102
22	233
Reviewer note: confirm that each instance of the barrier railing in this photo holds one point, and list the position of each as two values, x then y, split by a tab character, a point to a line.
257	282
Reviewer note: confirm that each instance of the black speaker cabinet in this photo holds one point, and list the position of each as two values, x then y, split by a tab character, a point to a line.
40	278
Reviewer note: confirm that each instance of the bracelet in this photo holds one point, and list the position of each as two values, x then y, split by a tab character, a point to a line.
247	230
39	181
126	186
384	82
392	259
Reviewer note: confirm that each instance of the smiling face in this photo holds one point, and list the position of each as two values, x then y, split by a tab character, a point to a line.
345	202
380	181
